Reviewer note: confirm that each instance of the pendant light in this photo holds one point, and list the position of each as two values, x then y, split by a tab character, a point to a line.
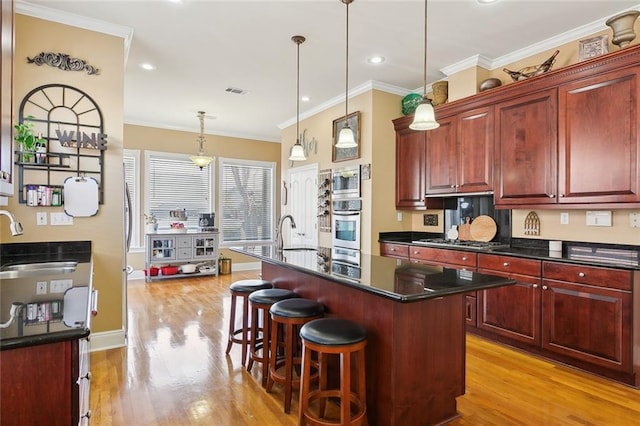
201	160
345	137
297	151
424	118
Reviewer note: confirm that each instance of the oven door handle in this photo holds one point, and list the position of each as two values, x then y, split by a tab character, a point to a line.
345	213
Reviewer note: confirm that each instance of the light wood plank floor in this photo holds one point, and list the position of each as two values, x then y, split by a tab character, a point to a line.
174	372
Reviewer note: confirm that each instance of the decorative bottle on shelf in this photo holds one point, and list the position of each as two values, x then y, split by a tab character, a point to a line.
41	150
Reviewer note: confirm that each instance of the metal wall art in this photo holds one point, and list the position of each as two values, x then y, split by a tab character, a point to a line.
343	154
64	62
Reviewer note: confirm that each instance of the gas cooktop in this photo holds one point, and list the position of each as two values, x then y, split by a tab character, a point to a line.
474	245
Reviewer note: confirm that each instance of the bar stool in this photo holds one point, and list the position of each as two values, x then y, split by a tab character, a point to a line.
261	301
333	336
243	289
286	318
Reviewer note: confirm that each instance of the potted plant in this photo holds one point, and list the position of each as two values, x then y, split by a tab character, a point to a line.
152	223
27	140
224	264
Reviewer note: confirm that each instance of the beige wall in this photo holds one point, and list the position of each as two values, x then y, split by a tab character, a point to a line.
105	229
154	139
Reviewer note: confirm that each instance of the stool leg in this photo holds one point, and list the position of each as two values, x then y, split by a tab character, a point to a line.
322	382
232	320
253	341
274	351
245	329
288	371
345	388
266	332
304	385
362	389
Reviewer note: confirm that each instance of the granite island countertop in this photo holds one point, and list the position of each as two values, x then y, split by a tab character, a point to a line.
396	279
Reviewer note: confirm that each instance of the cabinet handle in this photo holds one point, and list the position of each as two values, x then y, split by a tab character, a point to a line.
561	195
535	286
453	186
465	258
581	274
505	264
544	287
87	414
393	249
552	196
86	376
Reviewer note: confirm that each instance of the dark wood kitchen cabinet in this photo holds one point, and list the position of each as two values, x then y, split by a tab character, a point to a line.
443	257
43	384
410	167
526	144
399	251
598	128
512	311
6	97
587	314
459	155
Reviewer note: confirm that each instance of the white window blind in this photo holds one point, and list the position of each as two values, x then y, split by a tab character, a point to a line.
246	201
175	183
131	162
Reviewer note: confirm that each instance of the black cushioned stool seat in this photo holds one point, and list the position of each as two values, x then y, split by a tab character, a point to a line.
286	318
243	289
261	301
333	336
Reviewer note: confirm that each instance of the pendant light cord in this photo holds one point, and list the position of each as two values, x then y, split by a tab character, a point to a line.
424	87
346	74
298	94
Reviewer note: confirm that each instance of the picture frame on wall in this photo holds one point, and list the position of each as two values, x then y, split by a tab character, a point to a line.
344	154
592	47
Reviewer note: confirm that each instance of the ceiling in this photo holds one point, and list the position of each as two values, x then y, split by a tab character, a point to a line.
200	48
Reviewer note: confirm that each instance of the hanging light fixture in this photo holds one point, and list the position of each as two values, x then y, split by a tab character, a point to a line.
345	137
201	160
297	151
424	118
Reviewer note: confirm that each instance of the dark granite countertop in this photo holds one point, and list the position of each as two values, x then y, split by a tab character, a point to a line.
395	279
24	332
582	253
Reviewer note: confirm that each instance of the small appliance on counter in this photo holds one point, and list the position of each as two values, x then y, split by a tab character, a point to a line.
206	222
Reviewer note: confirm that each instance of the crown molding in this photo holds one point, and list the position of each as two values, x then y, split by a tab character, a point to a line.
74	20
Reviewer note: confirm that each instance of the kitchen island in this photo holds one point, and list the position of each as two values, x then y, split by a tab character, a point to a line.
414	316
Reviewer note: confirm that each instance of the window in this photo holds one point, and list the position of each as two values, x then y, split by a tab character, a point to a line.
175	183
246	212
131	160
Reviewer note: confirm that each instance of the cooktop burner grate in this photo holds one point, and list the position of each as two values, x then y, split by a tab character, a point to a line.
479	245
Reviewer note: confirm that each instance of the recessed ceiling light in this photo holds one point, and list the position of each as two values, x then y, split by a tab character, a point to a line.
305	99
147	66
376	59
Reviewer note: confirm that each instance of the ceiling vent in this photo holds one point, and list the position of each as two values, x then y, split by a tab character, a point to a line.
236	91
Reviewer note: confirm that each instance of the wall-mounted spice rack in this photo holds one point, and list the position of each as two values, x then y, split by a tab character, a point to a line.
324	200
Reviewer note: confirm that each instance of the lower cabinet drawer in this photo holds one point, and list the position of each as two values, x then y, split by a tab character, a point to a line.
589	275
394	250
509	264
444	256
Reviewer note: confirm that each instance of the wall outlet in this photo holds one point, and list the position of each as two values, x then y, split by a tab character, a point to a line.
430	219
60	286
41	287
41	218
399	216
634	220
61	219
564	218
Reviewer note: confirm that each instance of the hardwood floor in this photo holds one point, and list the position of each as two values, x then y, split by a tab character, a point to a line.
174	372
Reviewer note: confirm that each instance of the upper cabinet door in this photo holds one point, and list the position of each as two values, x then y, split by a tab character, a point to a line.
441	159
599	157
410	151
6	98
475	150
526	143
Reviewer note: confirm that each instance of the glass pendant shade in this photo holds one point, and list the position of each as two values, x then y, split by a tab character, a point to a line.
297	153
424	118
346	139
201	160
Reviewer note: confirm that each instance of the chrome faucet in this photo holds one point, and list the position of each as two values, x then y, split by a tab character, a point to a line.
15	226
279	241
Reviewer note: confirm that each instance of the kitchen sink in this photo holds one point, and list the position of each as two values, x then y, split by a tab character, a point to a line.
36	269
